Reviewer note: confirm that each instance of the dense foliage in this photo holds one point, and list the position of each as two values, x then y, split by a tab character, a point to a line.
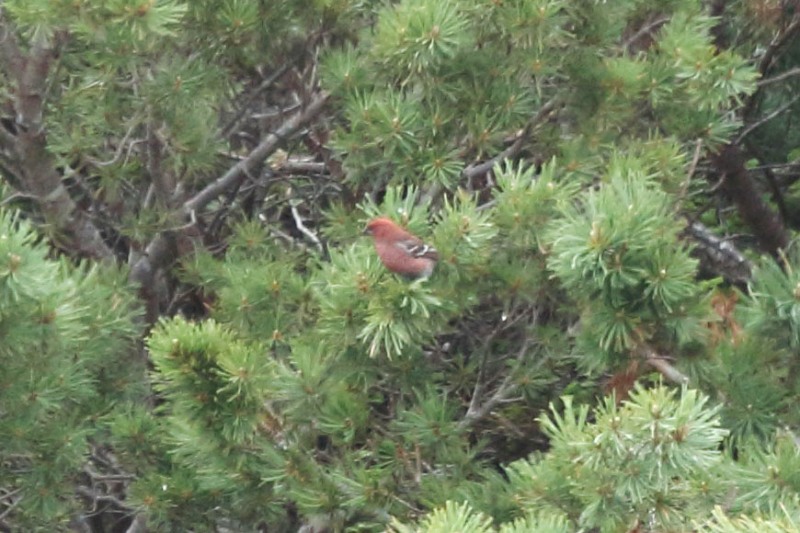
196	337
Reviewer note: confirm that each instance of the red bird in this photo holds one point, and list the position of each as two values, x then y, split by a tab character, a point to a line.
400	251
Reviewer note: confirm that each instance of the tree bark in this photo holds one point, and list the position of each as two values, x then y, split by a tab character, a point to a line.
766	224
24	145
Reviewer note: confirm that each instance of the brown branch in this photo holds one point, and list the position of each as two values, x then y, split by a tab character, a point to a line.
163	184
11	59
767	226
38	177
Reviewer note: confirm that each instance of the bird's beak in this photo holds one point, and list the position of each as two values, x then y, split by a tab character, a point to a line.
367	231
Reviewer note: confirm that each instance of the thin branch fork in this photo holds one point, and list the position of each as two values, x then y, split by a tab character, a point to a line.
476	411
477	392
503	392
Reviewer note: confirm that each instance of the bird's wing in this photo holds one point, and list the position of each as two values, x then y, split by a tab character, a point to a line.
417	248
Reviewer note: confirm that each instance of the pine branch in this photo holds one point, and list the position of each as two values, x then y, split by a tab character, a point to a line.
479	169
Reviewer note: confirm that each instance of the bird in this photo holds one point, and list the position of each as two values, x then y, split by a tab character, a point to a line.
400	251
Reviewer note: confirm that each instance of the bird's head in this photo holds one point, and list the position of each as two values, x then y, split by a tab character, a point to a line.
379	226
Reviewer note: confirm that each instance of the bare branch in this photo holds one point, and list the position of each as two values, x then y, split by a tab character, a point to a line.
766	61
97	498
777	43
14	502
258	155
766	118
503	392
120	148
719	255
698	145
477	411
645	30
663	365
248	100
695	159
780	77
301	166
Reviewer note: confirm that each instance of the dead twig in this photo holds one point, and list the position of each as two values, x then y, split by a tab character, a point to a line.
298	222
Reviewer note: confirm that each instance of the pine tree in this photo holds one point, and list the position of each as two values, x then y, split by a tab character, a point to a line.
562	157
